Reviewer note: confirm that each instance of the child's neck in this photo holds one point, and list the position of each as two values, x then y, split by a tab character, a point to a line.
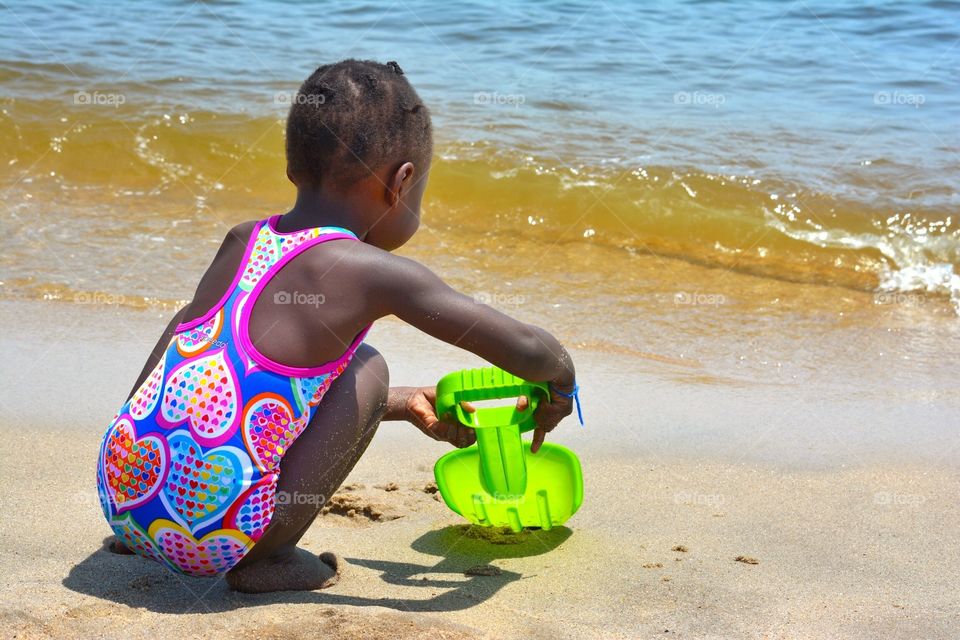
323	208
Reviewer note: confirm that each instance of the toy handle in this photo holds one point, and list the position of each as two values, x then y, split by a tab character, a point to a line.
489	383
502	460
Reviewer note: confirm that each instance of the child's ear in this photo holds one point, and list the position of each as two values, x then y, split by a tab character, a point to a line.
290	176
401	180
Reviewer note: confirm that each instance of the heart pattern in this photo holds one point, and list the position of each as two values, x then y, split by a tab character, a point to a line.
135	538
214	554
269	428
144	400
253	511
134	468
309	391
202	485
265	254
192	341
269	248
202	391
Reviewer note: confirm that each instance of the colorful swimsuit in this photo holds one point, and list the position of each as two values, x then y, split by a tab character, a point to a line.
188	469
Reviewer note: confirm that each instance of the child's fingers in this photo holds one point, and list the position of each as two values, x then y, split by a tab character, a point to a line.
465	437
522	403
466	406
538	436
430	425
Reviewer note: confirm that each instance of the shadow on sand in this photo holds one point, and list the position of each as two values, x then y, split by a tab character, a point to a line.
141	583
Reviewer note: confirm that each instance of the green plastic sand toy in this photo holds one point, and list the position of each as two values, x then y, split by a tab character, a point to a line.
497	482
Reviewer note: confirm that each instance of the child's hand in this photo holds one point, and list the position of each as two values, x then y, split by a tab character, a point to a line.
421	410
549	414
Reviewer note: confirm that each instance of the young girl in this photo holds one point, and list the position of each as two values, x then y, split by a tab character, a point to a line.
261	388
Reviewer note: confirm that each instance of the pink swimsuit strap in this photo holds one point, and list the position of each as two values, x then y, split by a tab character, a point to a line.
264	264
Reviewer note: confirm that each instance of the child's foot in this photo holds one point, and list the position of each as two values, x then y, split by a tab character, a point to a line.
295	570
117	547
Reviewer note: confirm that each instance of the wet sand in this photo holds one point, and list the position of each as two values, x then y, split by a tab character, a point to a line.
849	530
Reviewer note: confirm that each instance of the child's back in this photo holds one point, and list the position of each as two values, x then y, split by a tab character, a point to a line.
223	454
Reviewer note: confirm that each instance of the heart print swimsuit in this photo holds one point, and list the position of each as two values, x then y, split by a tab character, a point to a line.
187	471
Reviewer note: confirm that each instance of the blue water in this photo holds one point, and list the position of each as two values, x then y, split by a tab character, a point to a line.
857	99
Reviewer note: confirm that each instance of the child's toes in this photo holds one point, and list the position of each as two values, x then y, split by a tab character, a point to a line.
332	561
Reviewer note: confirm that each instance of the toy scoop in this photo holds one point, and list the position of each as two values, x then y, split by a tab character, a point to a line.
498	482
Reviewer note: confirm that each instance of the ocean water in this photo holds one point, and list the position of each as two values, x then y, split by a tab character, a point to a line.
596	162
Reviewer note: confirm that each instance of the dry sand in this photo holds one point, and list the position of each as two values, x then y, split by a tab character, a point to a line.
842	549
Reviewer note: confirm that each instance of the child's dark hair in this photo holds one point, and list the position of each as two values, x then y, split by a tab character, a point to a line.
352	117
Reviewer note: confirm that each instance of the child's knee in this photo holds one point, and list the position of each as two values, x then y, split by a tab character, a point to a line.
373	378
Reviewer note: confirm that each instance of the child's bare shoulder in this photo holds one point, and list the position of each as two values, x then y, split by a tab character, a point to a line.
238	235
241	232
382	279
363	263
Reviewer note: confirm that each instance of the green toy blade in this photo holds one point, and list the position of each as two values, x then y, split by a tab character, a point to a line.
498	481
553	493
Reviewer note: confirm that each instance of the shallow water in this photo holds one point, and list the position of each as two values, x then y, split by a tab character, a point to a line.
682	172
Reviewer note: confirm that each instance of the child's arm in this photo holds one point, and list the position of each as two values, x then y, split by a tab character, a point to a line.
416	295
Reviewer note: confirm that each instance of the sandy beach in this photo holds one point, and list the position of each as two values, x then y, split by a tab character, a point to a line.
741	219
858	544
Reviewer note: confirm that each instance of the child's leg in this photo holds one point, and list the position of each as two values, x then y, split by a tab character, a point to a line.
311	471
